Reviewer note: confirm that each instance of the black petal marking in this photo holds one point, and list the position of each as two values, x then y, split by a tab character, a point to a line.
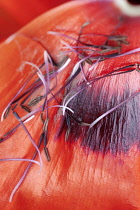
116	132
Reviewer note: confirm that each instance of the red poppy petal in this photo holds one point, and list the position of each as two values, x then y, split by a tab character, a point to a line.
15	14
73	178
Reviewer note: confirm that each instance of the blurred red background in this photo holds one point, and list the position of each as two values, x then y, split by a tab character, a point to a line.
16	13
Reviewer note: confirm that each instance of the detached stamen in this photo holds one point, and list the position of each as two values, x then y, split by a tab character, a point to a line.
111	110
29	135
25	172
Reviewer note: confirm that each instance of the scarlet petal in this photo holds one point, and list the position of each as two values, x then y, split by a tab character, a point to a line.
15	14
73	179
